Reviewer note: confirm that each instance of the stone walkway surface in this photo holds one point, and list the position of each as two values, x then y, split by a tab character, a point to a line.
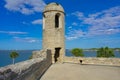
69	71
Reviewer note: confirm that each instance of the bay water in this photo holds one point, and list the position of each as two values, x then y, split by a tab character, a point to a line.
25	54
6	60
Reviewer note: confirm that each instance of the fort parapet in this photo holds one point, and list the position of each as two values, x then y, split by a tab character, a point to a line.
27	70
93	60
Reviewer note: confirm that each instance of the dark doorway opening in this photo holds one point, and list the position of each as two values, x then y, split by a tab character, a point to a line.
57	54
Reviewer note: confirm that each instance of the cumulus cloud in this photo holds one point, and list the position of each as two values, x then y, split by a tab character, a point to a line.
38	21
26	39
13	32
106	22
25	6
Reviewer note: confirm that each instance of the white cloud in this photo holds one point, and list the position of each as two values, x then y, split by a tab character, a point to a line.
75	34
25	6
75	24
80	15
13	32
25	23
38	21
26	39
106	22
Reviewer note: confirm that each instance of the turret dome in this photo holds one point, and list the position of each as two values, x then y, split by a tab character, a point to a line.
53	7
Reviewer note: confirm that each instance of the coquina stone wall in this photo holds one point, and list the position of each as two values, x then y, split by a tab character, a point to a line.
28	70
91	60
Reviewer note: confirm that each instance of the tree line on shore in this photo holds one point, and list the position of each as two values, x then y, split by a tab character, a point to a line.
101	52
95	49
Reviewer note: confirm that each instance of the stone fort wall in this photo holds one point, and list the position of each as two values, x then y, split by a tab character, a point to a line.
95	61
27	70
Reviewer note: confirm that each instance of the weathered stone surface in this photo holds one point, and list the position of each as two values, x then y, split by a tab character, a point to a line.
91	60
53	37
39	54
53	6
27	70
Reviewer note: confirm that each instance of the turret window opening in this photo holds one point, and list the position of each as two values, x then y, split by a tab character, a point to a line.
57	16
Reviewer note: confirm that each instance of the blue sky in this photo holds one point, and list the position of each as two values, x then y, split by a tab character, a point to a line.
88	23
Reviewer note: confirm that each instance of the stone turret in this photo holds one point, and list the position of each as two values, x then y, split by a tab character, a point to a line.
53	31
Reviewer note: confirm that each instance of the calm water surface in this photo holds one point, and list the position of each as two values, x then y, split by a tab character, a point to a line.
25	54
6	60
